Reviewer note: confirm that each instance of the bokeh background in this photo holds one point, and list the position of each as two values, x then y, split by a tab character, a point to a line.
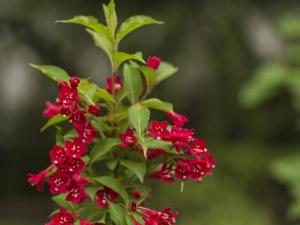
239	83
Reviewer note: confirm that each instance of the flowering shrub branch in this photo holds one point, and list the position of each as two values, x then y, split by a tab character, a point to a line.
110	145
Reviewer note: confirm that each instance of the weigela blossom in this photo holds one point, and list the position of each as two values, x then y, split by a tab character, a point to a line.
62	218
128	139
182	171
94	109
67	98
106	195
159	130
198	148
76	194
86	134
38	179
152	217
58	155
84	222
153	62
114	84
153	153
177	119
78	119
164	173
75	148
58	183
51	110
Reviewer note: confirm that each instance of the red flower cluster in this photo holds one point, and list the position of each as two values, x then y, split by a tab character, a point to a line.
66	218
152	217
194	160
64	175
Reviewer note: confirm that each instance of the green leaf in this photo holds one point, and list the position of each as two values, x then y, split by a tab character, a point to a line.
138	168
139	117
149	76
157	104
90	211
132	83
53	121
102	42
111	16
129	220
102	148
159	144
139	218
53	72
164	71
59	136
117	214
103	94
133	23
62	202
113	184
89	22
121	57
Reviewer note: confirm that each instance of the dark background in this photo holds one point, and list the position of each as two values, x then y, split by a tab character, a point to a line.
216	44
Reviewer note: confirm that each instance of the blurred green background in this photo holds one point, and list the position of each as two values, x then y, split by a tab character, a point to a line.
239	83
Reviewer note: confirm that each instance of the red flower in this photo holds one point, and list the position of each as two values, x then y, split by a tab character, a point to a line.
84	222
178	119
57	155
75	165
159	130
74	81
76	193
182	171
94	109
128	139
181	137
62	218
80	180
198	169
164	217
104	196
164	174
51	110
153	153
198	148
86	134
153	62
75	148
38	179
67	98
78	119
58	183
114	84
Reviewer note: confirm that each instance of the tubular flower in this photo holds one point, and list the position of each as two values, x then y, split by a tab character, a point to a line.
159	130
105	196
51	110
128	139
62	218
152	217
38	179
114	84
177	119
